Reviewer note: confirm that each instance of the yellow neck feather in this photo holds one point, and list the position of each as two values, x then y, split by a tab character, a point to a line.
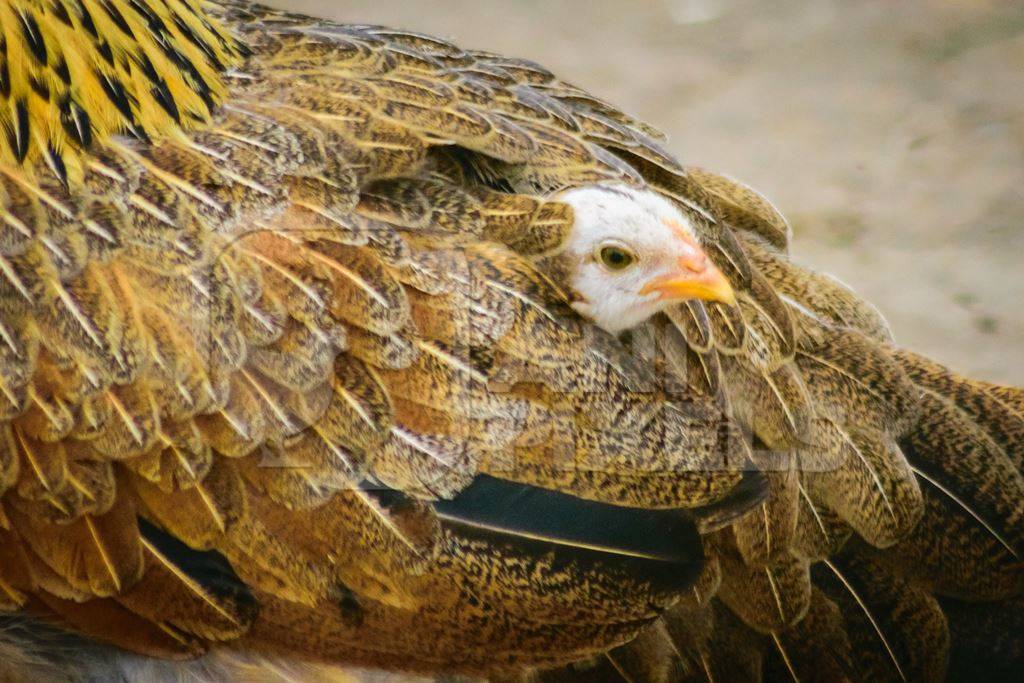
74	72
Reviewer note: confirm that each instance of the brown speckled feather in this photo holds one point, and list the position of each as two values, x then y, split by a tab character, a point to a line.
276	305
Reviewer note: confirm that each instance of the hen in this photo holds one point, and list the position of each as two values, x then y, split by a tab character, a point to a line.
297	369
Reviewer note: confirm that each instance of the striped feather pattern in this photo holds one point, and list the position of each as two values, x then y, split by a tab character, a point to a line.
287	366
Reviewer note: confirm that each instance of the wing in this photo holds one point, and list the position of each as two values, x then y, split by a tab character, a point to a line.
289	381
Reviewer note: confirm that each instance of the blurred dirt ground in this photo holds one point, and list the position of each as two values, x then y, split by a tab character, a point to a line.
891	133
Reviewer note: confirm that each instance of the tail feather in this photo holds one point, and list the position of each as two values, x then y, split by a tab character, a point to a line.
997	410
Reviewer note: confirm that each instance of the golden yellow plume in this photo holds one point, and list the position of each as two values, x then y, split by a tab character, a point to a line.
73	72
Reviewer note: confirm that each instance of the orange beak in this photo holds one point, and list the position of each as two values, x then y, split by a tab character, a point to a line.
695	277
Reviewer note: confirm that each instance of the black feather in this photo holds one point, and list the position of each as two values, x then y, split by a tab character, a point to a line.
118	18
186	31
103	47
76	123
33	37
61	69
57	165
61	12
207	568
86	18
5	78
160	92
155	24
17	135
746	495
40	88
659	545
115	90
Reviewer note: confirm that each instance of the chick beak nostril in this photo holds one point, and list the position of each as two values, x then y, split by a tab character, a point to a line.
695	263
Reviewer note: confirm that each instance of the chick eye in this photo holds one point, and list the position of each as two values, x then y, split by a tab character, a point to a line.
616	258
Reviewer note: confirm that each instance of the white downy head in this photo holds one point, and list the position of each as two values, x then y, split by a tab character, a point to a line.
634	254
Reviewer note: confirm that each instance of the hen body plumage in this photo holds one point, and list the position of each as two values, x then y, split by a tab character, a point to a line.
288	370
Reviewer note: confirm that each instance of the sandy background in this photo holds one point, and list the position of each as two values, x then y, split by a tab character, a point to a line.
891	133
